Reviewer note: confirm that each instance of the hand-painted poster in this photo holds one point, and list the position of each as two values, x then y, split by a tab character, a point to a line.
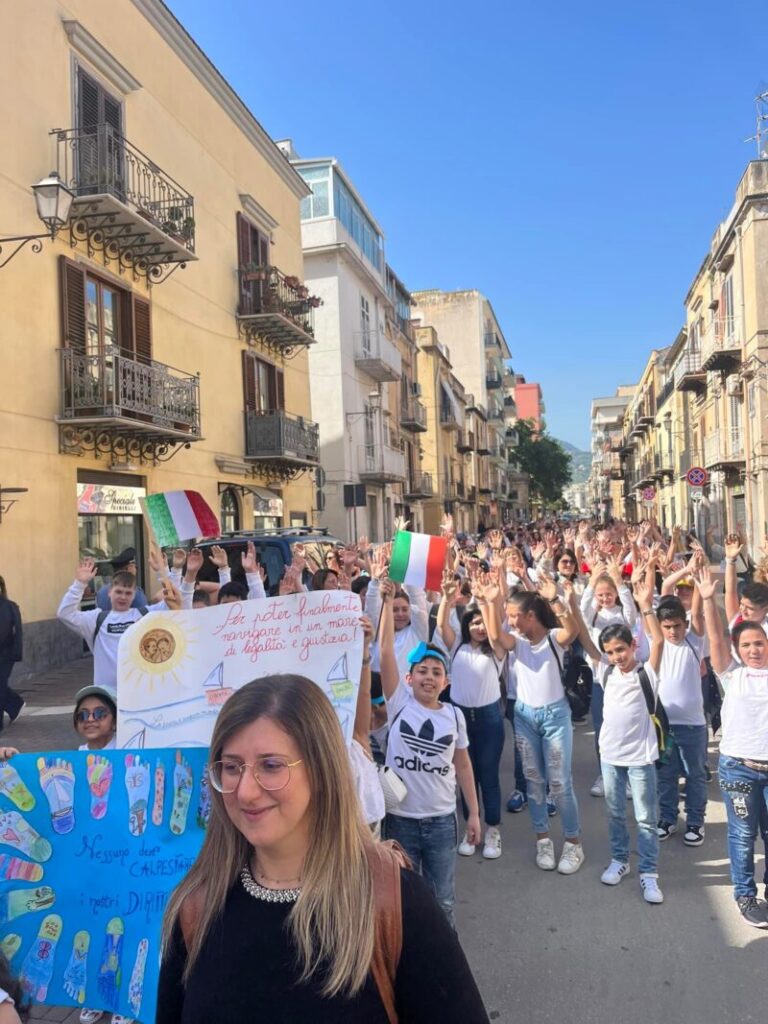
91	846
176	669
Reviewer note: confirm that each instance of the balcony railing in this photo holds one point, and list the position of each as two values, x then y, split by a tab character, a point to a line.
448	418
492	378
275	307
465	441
124	203
491	340
419	486
721	344
724	449
276	435
688	459
611	466
495	412
510	407
148	398
413	415
664	462
381	464
377	356
688	374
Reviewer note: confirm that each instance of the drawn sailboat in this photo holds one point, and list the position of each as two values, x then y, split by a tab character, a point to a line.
216	692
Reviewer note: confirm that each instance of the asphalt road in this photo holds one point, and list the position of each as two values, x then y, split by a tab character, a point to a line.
549	948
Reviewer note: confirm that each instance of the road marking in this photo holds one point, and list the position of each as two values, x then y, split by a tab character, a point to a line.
43	712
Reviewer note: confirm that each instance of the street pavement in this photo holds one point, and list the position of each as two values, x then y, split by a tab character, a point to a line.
549	948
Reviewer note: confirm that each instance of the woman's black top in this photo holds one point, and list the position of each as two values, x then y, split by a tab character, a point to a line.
10	631
246	972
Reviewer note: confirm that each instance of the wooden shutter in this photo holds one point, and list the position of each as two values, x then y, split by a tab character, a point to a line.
142	328
249	382
280	389
73	315
244	250
90	103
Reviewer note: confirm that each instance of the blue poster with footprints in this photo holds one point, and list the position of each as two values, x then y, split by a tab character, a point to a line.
91	846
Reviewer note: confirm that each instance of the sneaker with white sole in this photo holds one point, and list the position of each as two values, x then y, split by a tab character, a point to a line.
753	910
693	835
119	1019
571	858
492	847
614	873
665	829
517	801
466	849
91	1016
545	854
651	891
598	787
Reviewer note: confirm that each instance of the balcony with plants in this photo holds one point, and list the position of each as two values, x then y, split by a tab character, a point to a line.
282	444
276	308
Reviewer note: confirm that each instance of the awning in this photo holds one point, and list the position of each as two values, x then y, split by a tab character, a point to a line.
266	502
458	410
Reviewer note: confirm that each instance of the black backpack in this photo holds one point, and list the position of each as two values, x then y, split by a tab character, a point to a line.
577	681
664	737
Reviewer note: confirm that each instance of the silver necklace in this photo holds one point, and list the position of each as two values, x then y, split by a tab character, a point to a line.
261	892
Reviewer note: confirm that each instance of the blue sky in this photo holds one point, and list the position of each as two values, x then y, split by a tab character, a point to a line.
571	160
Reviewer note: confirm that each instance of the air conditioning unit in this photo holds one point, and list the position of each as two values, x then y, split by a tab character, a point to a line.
734	386
416	390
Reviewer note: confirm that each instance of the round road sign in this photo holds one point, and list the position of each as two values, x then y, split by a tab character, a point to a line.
649	494
696	476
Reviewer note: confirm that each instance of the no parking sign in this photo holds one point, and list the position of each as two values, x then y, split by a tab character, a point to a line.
696	476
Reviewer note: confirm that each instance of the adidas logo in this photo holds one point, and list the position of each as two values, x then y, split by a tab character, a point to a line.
424	743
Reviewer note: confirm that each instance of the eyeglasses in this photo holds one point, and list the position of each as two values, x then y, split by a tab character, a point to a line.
98	714
270	772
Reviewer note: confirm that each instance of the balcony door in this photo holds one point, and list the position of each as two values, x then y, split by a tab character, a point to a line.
253	262
99	148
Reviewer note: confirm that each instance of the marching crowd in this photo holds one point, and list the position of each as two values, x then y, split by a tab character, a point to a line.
540	626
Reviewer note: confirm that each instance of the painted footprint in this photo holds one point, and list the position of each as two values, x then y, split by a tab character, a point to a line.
37	969
75	973
14	788
58	781
110	971
99	773
204	804
10	946
16	831
137	784
136	984
182	791
159	804
14	867
25	901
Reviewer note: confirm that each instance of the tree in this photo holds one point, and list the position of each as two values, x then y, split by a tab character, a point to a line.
544	460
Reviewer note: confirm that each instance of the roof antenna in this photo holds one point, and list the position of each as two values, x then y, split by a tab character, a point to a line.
761	125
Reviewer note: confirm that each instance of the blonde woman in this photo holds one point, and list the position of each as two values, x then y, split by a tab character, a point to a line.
277	915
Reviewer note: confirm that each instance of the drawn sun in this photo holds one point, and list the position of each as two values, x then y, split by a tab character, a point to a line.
158	651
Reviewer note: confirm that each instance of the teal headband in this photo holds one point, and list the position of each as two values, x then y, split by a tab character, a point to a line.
425	651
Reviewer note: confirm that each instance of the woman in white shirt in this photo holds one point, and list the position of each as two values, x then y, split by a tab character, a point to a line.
411	615
476	689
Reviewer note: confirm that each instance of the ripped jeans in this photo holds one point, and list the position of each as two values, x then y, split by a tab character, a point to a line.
544	737
745	794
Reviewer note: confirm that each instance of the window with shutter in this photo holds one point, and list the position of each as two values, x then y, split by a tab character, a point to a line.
73	319
280	378
142	330
100	130
252	251
249	382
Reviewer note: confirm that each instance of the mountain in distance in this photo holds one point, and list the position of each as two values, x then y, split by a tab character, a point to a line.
581	462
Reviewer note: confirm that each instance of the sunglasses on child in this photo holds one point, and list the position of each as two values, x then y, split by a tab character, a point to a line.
98	714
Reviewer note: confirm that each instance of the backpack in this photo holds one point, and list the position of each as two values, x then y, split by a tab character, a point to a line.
577	681
664	737
102	616
385	861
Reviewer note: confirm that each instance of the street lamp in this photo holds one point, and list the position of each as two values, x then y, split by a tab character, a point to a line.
54	202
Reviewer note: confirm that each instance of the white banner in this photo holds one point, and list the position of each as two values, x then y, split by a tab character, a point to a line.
176	669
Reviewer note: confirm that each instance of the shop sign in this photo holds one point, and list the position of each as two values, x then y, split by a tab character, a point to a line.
106	500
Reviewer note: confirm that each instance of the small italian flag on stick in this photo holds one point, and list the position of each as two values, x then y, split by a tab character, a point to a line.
418	559
176	516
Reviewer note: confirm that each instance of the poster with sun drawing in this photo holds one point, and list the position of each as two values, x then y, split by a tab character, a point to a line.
176	669
91	846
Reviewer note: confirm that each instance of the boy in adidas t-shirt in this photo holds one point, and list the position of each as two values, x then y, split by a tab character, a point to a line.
427	747
628	745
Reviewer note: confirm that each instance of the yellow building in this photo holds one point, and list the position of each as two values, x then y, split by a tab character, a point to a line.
160	341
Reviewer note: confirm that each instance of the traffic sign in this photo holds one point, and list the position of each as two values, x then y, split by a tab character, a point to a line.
697	476
697	495
649	494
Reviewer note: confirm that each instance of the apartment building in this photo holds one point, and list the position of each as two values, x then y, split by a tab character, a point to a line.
529	400
605	490
160	340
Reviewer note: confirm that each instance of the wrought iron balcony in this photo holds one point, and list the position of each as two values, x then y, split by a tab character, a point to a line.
721	344
275	308
510	407
688	374
418	487
125	208
111	403
282	443
495	413
413	416
611	466
724	450
378	463
465	441
492	378
377	356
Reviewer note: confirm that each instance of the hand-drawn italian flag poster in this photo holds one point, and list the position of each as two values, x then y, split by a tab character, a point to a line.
176	669
91	846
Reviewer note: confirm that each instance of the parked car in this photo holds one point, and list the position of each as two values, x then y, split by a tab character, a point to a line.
274	549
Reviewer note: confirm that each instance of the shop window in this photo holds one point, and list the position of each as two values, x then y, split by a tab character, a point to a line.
230	511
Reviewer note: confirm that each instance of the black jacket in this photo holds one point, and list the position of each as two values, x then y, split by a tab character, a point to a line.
10	630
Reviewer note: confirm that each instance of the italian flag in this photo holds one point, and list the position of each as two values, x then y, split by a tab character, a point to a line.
176	516
418	559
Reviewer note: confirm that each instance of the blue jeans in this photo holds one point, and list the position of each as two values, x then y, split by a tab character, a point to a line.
544	737
431	845
520	783
745	793
642	782
485	731
689	758
596	707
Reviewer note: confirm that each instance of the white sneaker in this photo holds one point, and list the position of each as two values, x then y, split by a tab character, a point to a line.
571	858
614	873
466	849
598	787
545	854
90	1016
651	891
492	848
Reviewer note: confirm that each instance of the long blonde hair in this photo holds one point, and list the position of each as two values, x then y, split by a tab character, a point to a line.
332	922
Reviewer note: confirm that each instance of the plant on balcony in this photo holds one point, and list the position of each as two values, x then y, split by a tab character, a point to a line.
314	302
254	272
292	282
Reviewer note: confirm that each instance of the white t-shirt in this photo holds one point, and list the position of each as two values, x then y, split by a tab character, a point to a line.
680	681
538	676
735	621
627	735
369	791
745	712
420	748
474	677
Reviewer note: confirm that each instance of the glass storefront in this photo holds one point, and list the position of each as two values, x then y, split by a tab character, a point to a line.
108	521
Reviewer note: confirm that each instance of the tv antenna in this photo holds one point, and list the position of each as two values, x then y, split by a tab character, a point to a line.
761	125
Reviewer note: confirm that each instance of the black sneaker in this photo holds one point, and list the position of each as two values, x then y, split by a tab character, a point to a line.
694	835
708	772
753	910
665	829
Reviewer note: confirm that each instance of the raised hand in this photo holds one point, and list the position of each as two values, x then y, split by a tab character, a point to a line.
86	570
386	589
248	559
194	561
349	556
547	587
448	586
219	557
643	590
732	545
367	628
705	583
178	558
157	562
401	523
299	558
379	565
537	550
171	596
